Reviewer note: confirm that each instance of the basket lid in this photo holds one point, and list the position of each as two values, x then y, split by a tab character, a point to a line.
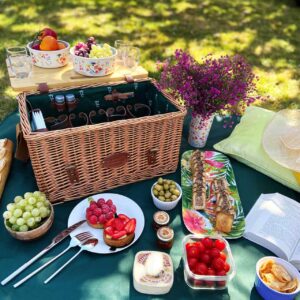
67	77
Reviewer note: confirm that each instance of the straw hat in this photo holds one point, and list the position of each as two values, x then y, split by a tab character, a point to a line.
281	139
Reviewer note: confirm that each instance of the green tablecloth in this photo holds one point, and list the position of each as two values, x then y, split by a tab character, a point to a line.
93	276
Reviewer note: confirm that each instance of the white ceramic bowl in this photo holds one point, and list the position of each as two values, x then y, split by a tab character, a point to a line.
265	291
162	205
94	67
50	59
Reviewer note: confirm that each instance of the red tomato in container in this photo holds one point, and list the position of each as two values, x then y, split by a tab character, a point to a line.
201	269
208	243
218	264
220	245
192	251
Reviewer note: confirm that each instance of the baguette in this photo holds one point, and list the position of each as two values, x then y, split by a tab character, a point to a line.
224	208
6	153
199	181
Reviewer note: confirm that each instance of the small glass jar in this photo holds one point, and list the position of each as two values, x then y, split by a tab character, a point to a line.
71	102
165	237
160	219
60	103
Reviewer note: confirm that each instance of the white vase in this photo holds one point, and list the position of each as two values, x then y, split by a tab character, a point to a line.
199	131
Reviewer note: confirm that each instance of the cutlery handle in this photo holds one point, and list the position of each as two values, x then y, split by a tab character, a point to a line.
41	267
26	265
63	266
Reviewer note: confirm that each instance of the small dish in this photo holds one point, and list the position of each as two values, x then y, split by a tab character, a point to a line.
34	233
50	59
162	205
265	291
207	282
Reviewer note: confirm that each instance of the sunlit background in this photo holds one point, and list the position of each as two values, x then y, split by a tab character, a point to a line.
267	33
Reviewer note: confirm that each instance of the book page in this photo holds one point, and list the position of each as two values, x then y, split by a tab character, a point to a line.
275	218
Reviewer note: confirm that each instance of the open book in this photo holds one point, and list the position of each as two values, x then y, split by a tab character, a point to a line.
274	223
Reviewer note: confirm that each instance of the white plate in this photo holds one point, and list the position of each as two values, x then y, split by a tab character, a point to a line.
124	206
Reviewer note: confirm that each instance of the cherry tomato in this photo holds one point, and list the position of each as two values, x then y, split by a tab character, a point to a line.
198	282
208	243
220	245
193	252
221	273
215	253
192	263
226	267
205	258
200	269
218	264
188	245
200	245
223	256
210	272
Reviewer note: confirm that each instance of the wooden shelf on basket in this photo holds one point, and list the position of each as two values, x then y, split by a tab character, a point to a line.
66	76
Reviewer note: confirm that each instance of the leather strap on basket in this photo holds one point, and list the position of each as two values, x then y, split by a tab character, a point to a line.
21	149
72	173
116	96
43	87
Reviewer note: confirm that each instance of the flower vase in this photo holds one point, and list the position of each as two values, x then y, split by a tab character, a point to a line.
199	130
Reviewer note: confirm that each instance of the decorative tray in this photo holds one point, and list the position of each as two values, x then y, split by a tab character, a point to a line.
216	165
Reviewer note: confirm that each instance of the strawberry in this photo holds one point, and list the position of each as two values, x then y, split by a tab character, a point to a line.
109	230
101	219
109	216
105	208
93	219
97	212
119	224
109	223
119	234
130	226
123	217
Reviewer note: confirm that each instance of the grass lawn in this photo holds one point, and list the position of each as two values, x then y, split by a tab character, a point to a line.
265	32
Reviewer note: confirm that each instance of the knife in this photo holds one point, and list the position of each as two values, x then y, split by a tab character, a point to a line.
56	240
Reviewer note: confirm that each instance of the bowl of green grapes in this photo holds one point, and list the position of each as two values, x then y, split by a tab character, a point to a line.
29	217
166	193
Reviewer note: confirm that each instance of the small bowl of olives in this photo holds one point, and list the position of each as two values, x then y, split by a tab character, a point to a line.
166	194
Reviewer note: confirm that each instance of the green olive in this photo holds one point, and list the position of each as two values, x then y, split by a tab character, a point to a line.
161	193
166	187
160	180
172	186
176	192
168	195
174	197
158	187
155	192
162	198
172	190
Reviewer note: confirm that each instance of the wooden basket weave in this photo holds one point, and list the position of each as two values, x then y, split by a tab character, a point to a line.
76	162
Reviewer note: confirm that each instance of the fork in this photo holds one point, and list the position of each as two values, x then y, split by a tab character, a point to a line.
78	239
87	245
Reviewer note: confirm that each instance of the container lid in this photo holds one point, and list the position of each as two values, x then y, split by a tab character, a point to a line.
165	233
67	77
161	218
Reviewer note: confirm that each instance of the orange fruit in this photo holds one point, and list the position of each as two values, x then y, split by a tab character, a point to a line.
61	45
49	43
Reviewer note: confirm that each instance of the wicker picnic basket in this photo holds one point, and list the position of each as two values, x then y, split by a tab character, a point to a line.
75	162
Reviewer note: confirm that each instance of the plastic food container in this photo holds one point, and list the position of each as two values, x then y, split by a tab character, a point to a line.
94	67
50	59
162	205
207	282
265	291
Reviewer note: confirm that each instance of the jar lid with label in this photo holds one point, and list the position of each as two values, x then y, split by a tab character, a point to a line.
165	234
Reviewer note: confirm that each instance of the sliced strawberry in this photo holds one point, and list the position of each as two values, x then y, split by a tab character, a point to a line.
109	230
119	234
130	226
119	224
109	222
123	217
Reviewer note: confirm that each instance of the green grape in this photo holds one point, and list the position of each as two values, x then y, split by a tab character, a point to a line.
30	222
35	212
28	195
23	228
12	220
20	221
39	204
37	193
43	212
23	203
32	200
10	206
15	227
26	215
28	208
38	219
42	198
7	214
18	199
18	212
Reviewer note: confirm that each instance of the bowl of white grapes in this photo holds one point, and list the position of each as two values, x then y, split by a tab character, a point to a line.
29	217
166	193
92	59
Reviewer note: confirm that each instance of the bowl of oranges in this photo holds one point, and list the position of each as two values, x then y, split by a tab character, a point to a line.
47	51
